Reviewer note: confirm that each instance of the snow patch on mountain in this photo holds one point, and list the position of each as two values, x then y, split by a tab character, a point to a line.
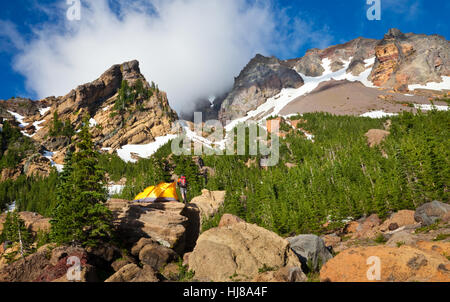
444	85
430	107
143	151
19	118
377	114
43	111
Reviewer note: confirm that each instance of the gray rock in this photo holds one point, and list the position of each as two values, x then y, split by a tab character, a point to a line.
310	65
428	213
261	79
311	251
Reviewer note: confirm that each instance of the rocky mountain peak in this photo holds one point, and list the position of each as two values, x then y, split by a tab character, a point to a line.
123	106
405	59
262	78
394	33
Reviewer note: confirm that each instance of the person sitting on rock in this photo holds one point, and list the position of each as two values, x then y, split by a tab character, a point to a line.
182	183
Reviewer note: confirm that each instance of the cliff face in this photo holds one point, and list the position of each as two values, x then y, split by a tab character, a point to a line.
405	59
261	79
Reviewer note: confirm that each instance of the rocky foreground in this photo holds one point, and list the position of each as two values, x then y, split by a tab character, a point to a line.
163	242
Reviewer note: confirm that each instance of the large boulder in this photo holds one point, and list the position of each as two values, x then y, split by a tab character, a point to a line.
311	251
398	220
162	222
401	264
284	274
133	273
402	237
367	227
156	255
200	209
239	251
208	203
430	212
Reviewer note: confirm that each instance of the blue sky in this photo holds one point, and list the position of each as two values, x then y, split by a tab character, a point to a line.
28	29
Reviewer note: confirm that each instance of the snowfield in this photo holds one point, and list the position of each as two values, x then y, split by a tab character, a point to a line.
444	85
19	119
144	151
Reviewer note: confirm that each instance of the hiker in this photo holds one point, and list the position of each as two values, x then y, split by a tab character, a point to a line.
182	183
205	175
201	163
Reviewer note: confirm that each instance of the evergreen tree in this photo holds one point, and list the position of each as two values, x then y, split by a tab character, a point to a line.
81	218
14	230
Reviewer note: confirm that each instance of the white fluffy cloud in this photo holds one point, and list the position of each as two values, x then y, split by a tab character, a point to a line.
191	48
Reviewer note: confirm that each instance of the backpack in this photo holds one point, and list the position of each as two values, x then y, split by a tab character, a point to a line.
183	182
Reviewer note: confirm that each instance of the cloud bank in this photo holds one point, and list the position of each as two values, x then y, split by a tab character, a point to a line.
191	48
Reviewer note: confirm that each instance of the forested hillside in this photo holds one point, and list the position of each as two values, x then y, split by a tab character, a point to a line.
330	179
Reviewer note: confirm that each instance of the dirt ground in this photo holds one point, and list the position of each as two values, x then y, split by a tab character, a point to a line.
353	98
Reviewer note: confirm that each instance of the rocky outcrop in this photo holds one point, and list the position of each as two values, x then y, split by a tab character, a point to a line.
261	79
33	221
410	59
401	264
200	209
37	165
311	64
208	204
311	251
238	252
162	222
47	265
356	51
146	115
430	212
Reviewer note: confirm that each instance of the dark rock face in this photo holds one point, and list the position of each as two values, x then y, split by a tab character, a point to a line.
210	111
261	79
410	59
310	65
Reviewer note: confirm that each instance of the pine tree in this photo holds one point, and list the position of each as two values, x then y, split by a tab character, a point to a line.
81	218
14	230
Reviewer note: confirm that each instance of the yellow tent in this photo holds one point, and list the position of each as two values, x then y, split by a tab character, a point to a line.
160	193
